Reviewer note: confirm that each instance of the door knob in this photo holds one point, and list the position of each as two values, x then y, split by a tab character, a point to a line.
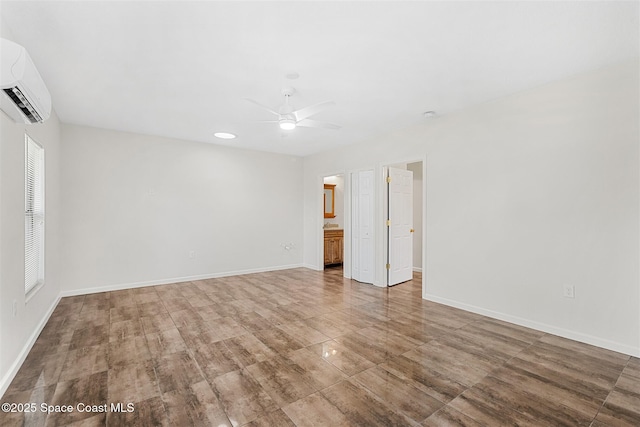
411	231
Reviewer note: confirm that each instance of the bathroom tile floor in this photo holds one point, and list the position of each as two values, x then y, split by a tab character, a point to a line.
306	348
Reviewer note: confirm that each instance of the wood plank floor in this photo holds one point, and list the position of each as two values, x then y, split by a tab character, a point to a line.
306	348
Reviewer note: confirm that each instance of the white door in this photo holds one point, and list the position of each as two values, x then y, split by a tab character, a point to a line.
362	249
400	226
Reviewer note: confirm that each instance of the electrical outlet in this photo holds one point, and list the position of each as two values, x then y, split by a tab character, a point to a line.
568	291
14	308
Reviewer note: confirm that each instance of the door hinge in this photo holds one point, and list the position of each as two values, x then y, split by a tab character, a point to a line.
388	223
388	179
388	266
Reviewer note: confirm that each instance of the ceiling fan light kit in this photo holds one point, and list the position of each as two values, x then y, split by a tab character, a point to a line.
287	124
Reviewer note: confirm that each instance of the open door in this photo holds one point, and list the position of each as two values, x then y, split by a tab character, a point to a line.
400	226
362	210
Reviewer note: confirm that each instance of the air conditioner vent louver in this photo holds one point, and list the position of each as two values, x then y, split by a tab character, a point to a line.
25	106
27	98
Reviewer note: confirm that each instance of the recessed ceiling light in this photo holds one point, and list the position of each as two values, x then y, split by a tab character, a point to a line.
429	114
224	135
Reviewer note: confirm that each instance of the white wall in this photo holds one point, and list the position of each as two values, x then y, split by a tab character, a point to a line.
136	206
523	195
17	334
338	180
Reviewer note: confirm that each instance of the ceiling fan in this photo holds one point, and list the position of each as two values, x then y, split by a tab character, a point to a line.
289	119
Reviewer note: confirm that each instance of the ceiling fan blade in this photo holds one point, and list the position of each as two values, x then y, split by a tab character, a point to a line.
264	107
303	113
308	123
266	121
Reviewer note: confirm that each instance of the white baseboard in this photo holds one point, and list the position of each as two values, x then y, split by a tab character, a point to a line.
132	285
313	267
417	269
543	327
15	367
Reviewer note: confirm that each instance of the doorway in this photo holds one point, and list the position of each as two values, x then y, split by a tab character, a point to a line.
334	223
403	212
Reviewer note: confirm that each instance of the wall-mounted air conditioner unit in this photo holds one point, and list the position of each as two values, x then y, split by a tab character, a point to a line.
24	96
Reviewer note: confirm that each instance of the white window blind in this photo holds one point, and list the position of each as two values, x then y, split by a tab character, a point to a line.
33	215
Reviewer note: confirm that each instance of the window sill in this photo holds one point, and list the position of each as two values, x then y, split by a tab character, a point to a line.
33	291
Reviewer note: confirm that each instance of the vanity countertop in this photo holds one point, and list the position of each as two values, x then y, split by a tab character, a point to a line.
333	229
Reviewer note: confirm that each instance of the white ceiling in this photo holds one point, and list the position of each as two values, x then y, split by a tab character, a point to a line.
182	69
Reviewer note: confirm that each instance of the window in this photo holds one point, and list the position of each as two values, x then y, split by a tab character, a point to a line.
33	215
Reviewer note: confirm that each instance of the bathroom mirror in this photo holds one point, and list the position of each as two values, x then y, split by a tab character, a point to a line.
329	200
